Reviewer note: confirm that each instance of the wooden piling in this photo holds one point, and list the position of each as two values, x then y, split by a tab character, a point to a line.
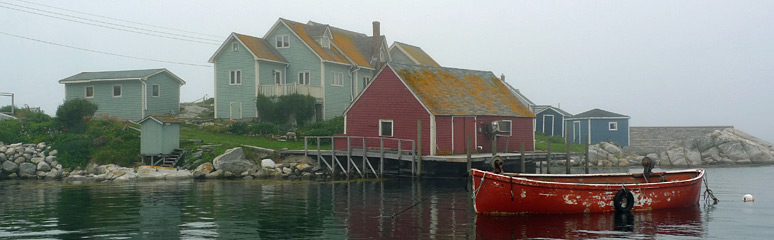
587	158
567	156
468	151
523	160
548	159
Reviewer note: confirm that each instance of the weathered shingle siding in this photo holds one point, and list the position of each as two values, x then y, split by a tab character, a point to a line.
126	107
337	98
168	101
243	94
398	57
389	99
600	131
443	135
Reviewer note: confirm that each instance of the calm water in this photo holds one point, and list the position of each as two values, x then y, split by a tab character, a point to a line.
355	210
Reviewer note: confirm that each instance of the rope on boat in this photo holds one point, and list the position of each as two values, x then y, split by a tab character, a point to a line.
475	192
708	192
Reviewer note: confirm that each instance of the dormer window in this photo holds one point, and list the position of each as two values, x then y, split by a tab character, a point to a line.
235	46
283	41
325	42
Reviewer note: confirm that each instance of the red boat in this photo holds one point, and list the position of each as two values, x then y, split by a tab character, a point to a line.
512	193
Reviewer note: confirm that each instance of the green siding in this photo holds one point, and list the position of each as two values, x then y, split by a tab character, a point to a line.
360	74
337	98
168	101
225	93
159	139
300	57
398	57
126	107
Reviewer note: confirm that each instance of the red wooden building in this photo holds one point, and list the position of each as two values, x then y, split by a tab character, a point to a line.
452	104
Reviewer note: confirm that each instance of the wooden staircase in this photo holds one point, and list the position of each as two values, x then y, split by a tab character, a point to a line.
169	160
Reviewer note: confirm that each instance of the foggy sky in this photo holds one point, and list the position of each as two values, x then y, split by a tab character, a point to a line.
664	63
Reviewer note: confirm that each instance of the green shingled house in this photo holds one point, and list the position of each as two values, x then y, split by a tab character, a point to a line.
331	64
128	95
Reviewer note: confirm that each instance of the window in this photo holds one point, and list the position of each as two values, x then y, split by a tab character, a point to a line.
385	128
116	90
277	77
326	42
338	79
156	91
505	127
303	78
89	92
366	80
235	46
613	126
283	41
236	77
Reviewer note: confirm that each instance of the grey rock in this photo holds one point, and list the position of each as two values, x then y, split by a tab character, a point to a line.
27	169
303	167
2	156
27	156
287	170
9	166
653	157
197	154
54	174
12	176
30	150
20	160
233	160
53	152
10	151
43	166
204	169
3	148
214	174
268	163
41	145
36	160
179	175
50	159
228	174
248	177
15	145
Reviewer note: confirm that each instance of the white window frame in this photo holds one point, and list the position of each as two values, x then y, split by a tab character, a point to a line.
366	81
282	41
303	77
235	77
120	90
235	46
338	79
157	92
510	127
612	126
325	42
86	92
277	75
392	127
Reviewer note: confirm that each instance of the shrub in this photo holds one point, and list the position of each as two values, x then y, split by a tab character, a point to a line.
239	128
73	150
324	128
279	110
72	113
264	128
11	131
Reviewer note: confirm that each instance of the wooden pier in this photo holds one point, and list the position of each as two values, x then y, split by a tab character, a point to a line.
375	157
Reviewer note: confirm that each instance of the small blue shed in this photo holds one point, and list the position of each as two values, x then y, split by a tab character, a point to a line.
550	120
160	139
597	126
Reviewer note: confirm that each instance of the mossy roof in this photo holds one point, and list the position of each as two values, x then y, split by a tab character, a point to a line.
417	54
452	91
349	46
261	48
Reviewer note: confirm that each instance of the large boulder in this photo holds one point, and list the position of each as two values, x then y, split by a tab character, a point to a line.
202	170
233	160
27	169
268	163
43	166
10	167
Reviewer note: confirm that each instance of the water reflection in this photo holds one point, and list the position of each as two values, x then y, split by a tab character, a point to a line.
668	222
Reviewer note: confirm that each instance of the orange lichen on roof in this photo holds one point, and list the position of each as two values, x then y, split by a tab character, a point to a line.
298	28
418	54
446	93
344	42
259	47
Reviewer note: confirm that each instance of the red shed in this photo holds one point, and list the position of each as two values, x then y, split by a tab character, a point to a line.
452	104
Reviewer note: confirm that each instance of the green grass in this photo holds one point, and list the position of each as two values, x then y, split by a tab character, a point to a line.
226	140
557	144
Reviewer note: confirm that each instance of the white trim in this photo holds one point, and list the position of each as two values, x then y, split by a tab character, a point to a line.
159	90
257	83
231	114
237	80
452	133
510	126
534	125
97	80
589	134
215	94
295	34
283	40
86	91
143	98
274	74
580	133
345	124
610	126
433	147
392	126
120	89
334	82
235	46
553	120
307	76
322	85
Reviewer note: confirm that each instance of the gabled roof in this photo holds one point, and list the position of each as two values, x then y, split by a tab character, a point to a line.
258	47
452	91
118	76
416	54
161	119
347	47
541	108
524	100
599	113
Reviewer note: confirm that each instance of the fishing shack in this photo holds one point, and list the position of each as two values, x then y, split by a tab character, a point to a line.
160	140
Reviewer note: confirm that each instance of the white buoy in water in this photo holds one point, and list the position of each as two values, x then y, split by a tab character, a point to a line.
748	198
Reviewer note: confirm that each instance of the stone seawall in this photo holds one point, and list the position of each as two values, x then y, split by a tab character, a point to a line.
646	140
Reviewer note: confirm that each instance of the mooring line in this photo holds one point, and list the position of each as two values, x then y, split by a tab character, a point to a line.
412	206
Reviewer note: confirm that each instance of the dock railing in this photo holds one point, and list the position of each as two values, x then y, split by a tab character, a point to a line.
366	148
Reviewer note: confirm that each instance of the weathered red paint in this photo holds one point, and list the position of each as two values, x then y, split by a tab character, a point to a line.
582	193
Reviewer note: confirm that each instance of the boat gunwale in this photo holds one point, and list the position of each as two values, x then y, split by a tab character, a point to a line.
592	186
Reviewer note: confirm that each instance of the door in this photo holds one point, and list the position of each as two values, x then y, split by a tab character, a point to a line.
576	132
235	110
463	127
548	125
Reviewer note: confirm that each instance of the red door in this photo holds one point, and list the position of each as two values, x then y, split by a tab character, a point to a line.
463	127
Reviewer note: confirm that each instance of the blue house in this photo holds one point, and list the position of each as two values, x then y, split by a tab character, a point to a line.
550	120
597	126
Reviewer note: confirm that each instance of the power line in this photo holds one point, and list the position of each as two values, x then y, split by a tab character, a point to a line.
118	19
101	52
109	27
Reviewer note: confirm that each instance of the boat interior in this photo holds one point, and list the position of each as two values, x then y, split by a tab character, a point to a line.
618	178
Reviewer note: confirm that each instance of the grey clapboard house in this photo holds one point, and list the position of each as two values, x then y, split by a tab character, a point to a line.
127	95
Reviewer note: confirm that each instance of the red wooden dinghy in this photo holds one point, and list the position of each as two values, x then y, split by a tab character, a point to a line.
510	193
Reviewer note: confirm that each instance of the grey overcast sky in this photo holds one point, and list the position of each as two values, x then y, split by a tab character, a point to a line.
664	63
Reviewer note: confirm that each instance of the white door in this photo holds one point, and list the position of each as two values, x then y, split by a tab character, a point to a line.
235	110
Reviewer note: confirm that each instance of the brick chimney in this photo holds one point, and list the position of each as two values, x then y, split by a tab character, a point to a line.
376	29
